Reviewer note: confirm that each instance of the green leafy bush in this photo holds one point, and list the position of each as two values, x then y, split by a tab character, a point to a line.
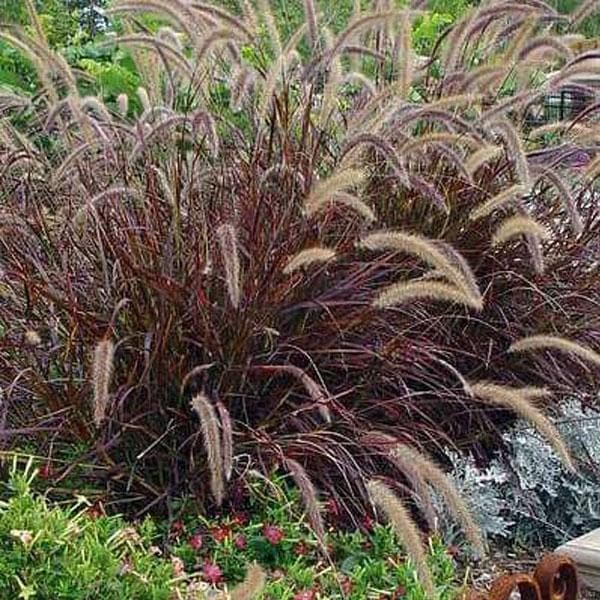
63	552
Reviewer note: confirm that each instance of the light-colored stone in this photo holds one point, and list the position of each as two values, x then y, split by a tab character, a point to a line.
585	551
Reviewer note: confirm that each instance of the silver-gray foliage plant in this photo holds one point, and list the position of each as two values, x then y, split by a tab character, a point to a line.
527	496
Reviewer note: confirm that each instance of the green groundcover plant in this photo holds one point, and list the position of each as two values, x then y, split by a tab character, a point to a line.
73	551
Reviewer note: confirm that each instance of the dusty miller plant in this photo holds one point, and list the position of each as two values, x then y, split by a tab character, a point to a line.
527	497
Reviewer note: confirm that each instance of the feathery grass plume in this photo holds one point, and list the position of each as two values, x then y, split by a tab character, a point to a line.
461	100
226	439
36	23
561	127
101	376
325	189
453	159
403	292
359	79
311	19
484	77
333	80
385	444
251	587
515	150
384	147
481	156
349	200
228	244
309	257
458	259
406	530
223	35
207	121
40	45
425	249
92	204
517	226
456	42
498	201
32	338
309	495
249	14
356	51
567	200
571	76
534	245
519	402
240	86
96	105
549	342
264	9
515	103
421	142
170	37
450	121
209	425
277	70
123	104
547	42
371	117
142	94
73	156
359	25
524	33
406	65
444	485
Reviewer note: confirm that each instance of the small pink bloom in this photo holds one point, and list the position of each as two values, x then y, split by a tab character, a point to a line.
195	541
305	595
211	573
368	523
240	541
273	534
220	534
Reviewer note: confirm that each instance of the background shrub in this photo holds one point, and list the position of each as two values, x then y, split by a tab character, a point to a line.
55	552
